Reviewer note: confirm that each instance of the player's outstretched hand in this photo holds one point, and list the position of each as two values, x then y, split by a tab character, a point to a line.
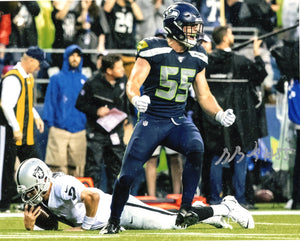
141	102
30	216
226	118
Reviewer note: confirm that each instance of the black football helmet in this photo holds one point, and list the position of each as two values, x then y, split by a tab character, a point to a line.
181	14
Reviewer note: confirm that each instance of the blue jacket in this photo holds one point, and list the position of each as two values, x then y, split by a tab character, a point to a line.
61	95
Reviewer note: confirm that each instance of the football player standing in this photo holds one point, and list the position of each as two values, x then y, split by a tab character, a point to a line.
167	68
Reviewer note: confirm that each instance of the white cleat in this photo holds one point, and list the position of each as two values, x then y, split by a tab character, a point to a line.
217	221
237	213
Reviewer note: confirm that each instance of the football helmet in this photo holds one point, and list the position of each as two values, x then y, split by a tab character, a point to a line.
33	180
180	15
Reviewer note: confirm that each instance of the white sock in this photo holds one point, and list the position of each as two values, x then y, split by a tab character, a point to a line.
220	210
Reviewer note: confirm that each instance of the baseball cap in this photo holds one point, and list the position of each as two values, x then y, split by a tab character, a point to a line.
38	54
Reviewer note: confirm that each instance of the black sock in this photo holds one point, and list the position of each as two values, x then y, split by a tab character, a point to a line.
203	212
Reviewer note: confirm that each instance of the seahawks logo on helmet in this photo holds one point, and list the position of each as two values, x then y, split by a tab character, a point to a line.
171	12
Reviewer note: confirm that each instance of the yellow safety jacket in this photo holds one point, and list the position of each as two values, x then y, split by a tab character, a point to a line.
23	108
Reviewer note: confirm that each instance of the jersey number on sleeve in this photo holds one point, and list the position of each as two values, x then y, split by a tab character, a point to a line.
172	85
71	192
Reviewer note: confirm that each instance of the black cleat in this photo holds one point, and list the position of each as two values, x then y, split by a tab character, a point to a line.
186	218
110	228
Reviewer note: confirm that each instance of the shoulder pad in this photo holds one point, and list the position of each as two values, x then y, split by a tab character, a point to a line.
152	42
153	47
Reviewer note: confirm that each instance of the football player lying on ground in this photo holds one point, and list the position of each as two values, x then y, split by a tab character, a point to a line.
52	197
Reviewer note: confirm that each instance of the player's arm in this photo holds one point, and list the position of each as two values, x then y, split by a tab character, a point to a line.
90	198
209	103
137	77
204	96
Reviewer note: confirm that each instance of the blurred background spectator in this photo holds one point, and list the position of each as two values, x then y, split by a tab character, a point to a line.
64	21
5	31
122	16
88	30
66	146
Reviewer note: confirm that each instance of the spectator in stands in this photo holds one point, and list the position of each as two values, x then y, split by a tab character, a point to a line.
151	10
64	21
88	30
232	12
225	66
262	15
17	115
147	27
290	16
23	27
24	33
66	145
160	6
103	92
5	31
210	12
122	16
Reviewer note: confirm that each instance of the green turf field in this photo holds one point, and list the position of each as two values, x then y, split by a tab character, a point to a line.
272	222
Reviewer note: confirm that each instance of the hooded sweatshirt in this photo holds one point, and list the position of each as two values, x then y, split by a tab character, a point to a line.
61	95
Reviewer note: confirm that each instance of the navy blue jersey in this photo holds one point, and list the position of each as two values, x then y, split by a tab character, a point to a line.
170	76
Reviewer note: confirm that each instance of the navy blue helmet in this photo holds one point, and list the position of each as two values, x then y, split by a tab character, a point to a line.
180	15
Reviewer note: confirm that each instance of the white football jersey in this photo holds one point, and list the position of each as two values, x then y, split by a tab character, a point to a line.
65	202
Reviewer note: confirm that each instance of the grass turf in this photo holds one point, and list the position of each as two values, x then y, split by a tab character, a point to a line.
267	227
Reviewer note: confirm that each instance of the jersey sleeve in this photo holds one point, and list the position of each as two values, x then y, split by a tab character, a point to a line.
199	54
69	188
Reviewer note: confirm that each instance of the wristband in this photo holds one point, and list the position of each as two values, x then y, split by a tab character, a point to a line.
88	222
218	116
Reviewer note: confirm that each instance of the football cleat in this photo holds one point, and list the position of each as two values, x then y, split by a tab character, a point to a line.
217	221
237	213
110	228
186	218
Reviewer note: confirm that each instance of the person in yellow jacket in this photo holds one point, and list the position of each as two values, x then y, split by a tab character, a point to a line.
17	116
